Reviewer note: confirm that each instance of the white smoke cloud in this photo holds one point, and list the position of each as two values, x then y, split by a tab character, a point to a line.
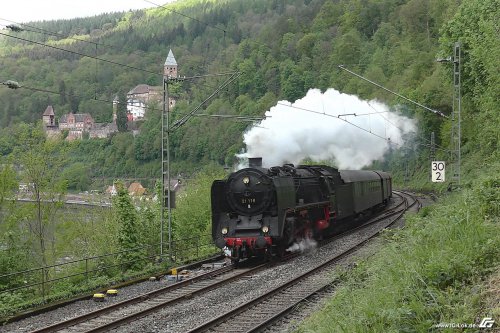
310	128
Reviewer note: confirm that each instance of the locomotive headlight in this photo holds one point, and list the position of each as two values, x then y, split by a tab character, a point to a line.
246	180
224	231
265	229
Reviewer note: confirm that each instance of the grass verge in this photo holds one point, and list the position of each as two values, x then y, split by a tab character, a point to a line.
435	270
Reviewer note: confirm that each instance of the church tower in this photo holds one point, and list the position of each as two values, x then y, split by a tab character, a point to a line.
49	117
170	67
170	71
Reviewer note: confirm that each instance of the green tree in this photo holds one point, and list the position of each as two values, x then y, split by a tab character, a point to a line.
8	183
62	93
41	163
121	113
475	25
191	218
73	100
76	176
126	217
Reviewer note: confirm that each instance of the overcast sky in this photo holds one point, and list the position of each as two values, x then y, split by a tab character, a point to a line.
38	10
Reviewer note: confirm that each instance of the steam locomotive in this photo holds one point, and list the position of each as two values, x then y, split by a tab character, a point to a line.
264	211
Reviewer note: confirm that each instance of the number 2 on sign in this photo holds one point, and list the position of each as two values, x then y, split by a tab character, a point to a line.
438	171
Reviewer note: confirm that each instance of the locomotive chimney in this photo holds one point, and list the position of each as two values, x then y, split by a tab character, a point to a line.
255	162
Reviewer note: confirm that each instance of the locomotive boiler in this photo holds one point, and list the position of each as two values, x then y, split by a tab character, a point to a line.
263	211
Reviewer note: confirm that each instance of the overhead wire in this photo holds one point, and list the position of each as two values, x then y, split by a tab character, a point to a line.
83	54
186	16
215	27
419	136
15	85
66	36
344	120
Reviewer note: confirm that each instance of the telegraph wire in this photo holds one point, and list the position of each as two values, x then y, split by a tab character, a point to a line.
186	16
338	117
15	28
421	137
98	58
439	113
15	85
82	54
388	140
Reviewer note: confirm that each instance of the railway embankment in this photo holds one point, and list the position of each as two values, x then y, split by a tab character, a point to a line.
435	274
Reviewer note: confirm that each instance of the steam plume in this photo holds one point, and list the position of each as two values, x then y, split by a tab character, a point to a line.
311	128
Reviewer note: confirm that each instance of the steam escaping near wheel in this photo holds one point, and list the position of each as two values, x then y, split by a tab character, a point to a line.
305	245
327	127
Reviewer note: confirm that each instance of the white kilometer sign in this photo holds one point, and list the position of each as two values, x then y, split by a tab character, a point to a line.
437	170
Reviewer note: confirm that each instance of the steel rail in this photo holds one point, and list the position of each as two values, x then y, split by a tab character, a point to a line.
162	303
230	319
141	298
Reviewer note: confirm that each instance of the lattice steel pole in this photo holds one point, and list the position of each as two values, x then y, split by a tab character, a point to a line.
432	154
456	118
456	132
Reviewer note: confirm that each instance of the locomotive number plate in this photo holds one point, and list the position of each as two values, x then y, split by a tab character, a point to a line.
248	201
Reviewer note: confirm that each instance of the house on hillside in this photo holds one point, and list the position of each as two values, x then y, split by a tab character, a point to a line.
136	109
141	95
77	124
76	121
136	189
111	190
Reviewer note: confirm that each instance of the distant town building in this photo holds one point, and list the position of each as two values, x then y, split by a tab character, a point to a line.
170	66
136	108
111	190
136	189
77	121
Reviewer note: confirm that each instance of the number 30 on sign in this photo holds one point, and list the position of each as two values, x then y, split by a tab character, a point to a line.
437	169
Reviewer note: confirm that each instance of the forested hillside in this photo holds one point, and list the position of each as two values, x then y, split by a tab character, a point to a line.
282	48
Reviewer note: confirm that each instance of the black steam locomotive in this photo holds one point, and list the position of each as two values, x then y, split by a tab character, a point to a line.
260	210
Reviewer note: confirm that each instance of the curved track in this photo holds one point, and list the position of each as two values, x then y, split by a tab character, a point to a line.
254	315
262	311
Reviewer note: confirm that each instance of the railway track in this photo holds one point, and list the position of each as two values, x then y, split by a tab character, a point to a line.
263	311
130	310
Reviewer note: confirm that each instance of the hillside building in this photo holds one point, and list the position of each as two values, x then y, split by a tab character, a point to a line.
49	122
136	189
77	125
141	95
